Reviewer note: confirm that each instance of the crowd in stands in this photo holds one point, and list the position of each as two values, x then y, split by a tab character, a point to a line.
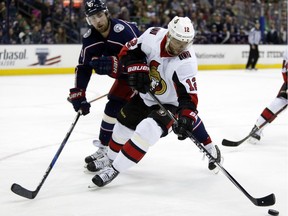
215	21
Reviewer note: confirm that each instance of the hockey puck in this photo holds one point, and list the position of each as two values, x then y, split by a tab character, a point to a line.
273	212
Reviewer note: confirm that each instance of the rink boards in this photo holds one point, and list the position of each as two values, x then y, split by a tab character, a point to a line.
62	59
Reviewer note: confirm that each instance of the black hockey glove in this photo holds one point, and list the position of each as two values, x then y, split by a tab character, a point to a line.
138	77
185	123
78	99
106	65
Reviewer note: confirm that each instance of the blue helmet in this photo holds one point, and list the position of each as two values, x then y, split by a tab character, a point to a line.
94	6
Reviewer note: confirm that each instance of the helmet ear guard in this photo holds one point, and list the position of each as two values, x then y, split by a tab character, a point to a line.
88	21
181	28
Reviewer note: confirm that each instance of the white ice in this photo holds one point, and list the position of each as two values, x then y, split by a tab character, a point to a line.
172	179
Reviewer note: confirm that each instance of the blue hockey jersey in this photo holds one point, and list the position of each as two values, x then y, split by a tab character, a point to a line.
95	45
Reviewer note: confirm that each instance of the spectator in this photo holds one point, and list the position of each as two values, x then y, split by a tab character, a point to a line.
124	14
36	34
47	34
18	23
60	36
12	9
11	38
215	37
217	22
243	37
25	37
272	36
176	5
204	14
201	22
3	11
35	20
150	11
202	36
225	35
153	21
229	22
234	36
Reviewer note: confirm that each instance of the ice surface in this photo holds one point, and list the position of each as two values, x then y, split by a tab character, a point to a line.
172	179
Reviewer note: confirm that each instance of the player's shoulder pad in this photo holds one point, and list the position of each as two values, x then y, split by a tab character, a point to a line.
87	33
151	31
124	22
91	36
120	25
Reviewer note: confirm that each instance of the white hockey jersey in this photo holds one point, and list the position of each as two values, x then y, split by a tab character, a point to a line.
170	75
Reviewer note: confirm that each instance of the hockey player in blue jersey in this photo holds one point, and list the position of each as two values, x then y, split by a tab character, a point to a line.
101	45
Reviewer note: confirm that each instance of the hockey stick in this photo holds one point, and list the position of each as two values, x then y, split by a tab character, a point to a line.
21	191
230	143
263	201
68	99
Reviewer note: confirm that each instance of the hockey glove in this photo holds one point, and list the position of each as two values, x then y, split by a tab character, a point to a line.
106	65
78	99
138	77
185	123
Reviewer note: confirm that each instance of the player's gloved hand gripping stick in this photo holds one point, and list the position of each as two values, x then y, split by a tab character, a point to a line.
19	190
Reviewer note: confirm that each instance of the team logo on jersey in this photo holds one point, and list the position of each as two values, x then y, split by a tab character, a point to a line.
118	28
87	34
157	83
90	4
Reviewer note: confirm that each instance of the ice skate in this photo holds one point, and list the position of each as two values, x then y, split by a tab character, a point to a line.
255	137
100	163
102	150
105	176
215	152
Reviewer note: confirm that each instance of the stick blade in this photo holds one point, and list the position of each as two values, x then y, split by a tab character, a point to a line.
230	143
266	201
19	190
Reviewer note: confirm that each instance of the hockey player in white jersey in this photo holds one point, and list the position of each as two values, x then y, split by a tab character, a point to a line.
280	102
163	61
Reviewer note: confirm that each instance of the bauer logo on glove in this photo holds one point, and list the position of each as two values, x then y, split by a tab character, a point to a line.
106	65
137	68
76	95
78	99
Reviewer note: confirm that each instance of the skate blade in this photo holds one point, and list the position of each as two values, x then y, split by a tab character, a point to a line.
93	186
